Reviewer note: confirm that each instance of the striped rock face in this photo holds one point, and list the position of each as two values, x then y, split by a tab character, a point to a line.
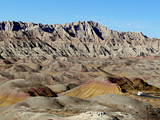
15	91
94	88
12	97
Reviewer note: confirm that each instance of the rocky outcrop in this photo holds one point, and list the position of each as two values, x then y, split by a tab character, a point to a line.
88	38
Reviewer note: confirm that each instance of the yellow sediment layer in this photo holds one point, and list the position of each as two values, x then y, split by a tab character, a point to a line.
9	100
94	89
31	65
50	73
5	66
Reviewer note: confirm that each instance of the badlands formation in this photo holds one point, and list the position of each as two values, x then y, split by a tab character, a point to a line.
77	71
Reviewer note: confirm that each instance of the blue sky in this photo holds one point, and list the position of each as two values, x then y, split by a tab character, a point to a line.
120	15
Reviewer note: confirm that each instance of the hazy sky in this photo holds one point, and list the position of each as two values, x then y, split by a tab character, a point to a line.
120	15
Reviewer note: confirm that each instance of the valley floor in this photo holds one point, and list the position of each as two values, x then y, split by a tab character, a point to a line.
71	88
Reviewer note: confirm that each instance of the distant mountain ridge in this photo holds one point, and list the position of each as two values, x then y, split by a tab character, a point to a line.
87	38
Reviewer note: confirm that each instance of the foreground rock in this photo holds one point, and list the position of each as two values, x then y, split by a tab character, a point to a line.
129	105
70	108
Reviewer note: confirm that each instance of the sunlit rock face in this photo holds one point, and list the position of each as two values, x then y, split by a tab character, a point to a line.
85	38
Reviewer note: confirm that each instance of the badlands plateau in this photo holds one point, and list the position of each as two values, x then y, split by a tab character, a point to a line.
77	71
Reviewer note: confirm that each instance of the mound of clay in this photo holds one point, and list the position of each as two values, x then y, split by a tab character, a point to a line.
60	108
72	101
58	88
68	77
127	104
21	68
57	65
30	76
40	102
79	67
18	90
92	89
62	102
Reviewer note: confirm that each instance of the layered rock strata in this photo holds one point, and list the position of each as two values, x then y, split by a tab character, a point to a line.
88	38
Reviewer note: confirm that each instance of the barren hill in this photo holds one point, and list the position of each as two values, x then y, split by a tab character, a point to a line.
87	38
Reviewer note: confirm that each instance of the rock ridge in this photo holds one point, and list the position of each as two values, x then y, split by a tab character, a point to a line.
86	38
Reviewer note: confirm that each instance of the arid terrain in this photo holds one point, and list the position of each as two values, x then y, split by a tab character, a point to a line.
77	71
